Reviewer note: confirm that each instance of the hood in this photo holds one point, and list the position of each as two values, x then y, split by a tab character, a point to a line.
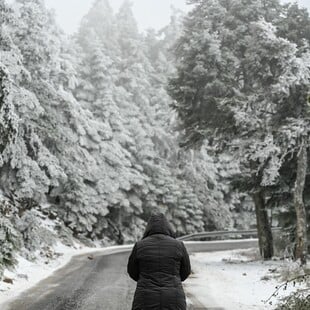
158	224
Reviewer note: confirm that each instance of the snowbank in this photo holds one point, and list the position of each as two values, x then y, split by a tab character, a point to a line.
234	280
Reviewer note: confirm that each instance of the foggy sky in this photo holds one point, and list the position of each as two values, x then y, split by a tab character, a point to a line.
148	13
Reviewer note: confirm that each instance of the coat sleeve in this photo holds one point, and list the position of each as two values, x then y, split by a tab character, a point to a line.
133	265
185	269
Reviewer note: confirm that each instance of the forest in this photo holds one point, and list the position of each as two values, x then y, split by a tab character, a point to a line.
206	121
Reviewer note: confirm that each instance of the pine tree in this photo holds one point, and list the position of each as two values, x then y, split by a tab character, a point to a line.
294	25
228	80
25	160
99	19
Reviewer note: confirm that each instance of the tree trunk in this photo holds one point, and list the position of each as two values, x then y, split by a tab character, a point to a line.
264	232
301	222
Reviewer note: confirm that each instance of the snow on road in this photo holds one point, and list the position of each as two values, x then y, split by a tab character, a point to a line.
233	280
27	273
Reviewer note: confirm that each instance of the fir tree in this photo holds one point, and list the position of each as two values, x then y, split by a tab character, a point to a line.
231	67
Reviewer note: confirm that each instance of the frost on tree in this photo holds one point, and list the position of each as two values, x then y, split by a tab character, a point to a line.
235	78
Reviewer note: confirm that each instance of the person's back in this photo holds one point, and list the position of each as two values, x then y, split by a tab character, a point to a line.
159	263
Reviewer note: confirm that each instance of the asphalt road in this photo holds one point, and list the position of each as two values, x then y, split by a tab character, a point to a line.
100	283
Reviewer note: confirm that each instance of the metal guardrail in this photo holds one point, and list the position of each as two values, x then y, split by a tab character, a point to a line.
207	234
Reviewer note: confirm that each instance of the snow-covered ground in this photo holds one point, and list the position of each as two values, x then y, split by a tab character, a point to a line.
235	280
27	274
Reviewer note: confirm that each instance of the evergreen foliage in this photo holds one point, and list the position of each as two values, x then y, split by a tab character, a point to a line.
87	127
10	239
90	139
235	83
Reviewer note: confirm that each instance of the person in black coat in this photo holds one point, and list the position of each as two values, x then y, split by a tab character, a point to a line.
159	263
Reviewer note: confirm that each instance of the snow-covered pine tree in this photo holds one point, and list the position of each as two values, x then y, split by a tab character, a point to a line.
141	82
101	20
120	179
294	25
24	160
10	240
226	89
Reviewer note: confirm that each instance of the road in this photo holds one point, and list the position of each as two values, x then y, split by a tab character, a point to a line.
100	283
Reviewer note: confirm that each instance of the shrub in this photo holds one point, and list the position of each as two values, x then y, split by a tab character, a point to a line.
295	301
10	241
35	235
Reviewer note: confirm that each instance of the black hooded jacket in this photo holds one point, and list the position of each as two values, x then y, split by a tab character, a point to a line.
159	263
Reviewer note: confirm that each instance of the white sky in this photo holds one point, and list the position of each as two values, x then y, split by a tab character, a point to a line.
148	13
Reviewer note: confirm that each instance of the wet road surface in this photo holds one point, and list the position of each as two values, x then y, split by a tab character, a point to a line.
100	283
